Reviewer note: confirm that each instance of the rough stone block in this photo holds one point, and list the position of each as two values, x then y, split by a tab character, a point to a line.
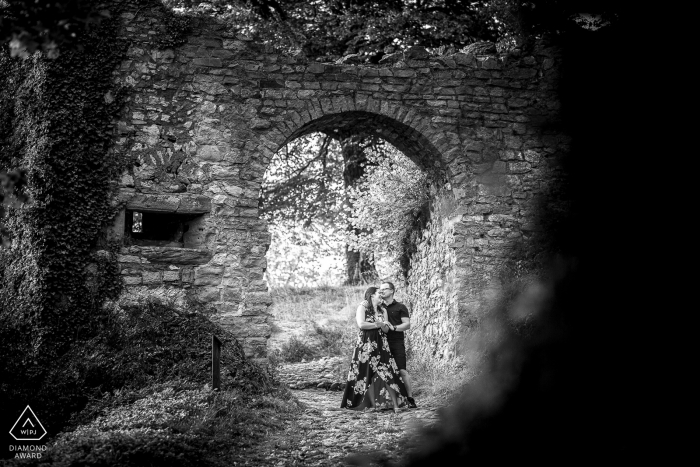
152	277
187	275
415	53
208	294
490	63
210	153
254	298
208	62
531	156
316	68
194	204
208	275
260	124
519	167
171	276
517	103
128	259
232	294
153	203
132	280
174	255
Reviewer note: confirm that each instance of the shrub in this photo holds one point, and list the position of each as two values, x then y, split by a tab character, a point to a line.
138	345
336	340
295	349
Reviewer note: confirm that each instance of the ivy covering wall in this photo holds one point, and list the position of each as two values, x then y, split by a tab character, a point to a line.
57	123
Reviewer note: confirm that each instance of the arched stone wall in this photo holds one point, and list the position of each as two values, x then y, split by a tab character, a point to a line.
203	121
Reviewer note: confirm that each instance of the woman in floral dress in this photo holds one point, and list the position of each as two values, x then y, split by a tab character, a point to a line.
373	380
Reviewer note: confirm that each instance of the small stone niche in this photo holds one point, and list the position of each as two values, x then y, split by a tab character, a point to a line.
171	229
151	220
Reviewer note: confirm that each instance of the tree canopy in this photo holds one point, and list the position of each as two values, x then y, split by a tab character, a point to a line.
357	191
323	28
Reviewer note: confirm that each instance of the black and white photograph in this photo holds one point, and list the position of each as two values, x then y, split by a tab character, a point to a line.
279	233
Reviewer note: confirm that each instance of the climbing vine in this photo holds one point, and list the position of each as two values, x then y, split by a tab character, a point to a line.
176	29
57	268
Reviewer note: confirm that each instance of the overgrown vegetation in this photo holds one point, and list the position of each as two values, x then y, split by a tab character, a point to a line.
386	202
314	322
138	391
52	280
295	350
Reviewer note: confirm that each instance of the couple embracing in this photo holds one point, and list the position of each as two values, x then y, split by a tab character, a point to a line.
378	377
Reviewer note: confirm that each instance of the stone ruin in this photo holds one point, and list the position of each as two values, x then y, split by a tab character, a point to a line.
203	120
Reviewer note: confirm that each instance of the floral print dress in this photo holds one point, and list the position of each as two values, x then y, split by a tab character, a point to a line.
372	370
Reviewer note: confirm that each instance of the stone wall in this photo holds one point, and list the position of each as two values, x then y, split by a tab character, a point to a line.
203	121
432	287
473	245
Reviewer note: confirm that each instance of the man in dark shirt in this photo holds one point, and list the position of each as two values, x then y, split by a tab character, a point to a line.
399	322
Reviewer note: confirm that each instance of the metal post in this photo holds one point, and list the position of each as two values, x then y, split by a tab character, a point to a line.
215	362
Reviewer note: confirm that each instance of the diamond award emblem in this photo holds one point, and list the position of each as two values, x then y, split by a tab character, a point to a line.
28	427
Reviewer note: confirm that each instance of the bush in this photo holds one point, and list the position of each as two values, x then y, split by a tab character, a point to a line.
138	345
336	340
295	349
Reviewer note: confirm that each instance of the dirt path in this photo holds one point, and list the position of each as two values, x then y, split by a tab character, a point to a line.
325	435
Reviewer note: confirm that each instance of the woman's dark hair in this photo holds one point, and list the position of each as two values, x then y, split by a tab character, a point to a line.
368	294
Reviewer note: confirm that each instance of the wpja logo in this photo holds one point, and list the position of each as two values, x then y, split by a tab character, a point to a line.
28	428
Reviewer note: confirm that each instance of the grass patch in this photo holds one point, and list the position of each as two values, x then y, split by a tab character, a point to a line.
314	323
314	304
442	384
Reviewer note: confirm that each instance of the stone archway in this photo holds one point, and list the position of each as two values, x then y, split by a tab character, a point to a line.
204	120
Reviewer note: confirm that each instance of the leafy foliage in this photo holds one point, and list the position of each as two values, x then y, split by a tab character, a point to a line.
295	350
319	195
386	201
304	182
59	134
48	26
522	22
305	256
63	25
335	28
330	29
307	182
12	195
327	29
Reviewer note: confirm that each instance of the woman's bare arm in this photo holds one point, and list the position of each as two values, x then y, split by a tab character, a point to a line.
360	318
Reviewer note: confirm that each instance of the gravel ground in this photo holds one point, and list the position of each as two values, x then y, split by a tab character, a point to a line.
325	435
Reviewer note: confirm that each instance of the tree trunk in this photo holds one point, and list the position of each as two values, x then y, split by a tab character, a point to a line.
359	268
